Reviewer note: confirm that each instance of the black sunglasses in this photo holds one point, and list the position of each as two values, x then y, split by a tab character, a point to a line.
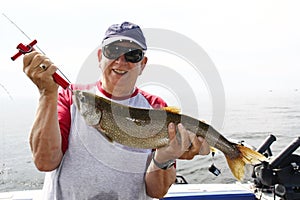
113	52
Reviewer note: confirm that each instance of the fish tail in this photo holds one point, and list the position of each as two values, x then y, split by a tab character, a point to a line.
247	156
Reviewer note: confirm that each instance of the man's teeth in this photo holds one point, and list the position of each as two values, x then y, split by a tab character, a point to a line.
119	71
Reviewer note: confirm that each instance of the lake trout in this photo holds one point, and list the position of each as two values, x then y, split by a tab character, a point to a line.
148	128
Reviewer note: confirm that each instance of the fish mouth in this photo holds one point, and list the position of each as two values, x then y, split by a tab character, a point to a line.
85	103
78	97
119	71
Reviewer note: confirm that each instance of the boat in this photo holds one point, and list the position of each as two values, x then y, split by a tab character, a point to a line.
278	178
274	179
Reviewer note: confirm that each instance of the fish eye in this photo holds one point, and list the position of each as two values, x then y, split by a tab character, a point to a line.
82	98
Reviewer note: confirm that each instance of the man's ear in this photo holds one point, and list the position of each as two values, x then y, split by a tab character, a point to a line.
143	64
99	55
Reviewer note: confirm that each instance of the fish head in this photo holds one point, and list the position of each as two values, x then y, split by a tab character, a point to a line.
85	103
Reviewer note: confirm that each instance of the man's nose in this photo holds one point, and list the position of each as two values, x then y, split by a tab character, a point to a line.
121	59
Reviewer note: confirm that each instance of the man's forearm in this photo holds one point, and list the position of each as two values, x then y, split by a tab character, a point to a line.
45	138
158	181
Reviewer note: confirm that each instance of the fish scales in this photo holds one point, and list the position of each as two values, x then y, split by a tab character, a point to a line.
148	128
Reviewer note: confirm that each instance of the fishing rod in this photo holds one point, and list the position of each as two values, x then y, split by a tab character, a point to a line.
24	49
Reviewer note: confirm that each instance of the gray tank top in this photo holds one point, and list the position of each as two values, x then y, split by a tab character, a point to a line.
94	168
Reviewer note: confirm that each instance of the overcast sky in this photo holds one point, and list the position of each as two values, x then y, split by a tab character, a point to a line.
254	45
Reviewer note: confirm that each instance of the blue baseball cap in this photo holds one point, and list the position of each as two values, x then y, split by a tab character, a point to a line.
125	31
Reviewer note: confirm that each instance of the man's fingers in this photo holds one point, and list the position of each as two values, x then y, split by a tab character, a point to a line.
195	144
172	131
204	146
185	138
27	59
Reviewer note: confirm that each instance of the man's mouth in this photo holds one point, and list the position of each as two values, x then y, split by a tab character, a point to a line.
120	72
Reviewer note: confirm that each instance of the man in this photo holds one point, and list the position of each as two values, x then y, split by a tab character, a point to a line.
80	162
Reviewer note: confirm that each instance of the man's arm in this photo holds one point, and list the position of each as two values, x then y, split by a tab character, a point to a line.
158	181
45	138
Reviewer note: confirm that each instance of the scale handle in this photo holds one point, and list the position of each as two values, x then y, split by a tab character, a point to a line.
60	81
23	49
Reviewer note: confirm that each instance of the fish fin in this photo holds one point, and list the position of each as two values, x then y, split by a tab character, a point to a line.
172	109
103	133
248	156
108	138
203	121
213	149
237	167
251	156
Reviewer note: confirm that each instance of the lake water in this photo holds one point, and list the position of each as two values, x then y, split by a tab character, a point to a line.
250	119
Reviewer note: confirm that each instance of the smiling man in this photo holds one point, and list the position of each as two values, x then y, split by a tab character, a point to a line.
80	162
122	60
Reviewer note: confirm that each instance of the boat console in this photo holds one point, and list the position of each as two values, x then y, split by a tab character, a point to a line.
278	178
280	175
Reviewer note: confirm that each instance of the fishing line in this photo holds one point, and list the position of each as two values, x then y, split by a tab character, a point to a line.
7	92
23	32
35	44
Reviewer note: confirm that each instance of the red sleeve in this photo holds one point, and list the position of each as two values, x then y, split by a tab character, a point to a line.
154	101
64	116
64	103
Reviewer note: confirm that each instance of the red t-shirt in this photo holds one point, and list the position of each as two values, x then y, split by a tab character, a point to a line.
65	102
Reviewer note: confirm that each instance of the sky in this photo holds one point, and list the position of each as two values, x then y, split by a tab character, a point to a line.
254	45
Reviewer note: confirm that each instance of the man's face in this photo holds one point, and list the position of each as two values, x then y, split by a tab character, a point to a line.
119	74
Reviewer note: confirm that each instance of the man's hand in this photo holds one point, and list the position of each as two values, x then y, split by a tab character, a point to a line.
185	147
199	146
40	70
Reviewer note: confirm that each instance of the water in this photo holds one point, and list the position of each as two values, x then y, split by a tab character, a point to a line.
17	171
250	119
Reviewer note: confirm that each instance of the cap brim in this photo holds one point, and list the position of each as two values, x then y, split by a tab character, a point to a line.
120	38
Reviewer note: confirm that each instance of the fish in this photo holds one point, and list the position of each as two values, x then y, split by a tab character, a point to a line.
148	128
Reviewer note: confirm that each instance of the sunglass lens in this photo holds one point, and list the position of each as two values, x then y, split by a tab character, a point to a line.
134	56
113	52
